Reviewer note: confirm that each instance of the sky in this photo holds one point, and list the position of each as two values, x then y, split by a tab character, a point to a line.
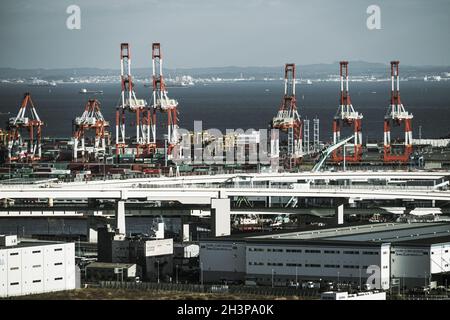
217	33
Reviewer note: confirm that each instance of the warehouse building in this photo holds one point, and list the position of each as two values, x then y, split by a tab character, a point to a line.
35	267
376	253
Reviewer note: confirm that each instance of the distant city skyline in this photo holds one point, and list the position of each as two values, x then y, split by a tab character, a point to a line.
215	33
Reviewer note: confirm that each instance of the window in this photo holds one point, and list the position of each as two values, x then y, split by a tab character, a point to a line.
14	268
275	264
351	252
36	281
293	264
58	249
14	283
351	267
37	266
14	254
332	266
59	278
37	251
294	250
312	265
312	251
58	263
332	251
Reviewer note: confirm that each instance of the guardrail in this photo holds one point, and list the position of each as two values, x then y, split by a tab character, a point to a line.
283	187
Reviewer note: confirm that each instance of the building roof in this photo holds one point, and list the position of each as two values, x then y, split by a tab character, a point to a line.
424	242
26	244
109	265
335	235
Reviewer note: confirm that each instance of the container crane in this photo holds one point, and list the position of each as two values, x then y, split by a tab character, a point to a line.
346	116
288	120
397	115
145	141
21	149
162	102
91	120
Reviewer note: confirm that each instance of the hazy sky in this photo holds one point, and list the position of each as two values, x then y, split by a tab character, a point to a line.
204	33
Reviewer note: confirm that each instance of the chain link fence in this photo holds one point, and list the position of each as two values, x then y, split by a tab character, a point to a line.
181	287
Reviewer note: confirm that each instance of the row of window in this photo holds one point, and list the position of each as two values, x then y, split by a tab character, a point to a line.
309	265
316	251
274	250
35	251
34	281
312	251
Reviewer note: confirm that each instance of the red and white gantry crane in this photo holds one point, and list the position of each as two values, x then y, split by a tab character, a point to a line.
25	130
91	120
288	120
145	141
347	116
161	101
395	116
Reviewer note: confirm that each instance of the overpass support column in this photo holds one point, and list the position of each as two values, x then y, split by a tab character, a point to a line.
120	217
220	217
339	210
91	229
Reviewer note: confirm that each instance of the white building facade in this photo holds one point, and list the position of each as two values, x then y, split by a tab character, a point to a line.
36	267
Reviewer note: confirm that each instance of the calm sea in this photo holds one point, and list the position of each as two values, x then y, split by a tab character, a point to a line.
244	105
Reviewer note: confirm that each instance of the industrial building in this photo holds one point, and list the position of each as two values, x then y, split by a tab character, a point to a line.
390	254
154	255
35	267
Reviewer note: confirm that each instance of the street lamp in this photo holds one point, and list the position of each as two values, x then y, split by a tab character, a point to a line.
296	275
157	261
360	287
272	278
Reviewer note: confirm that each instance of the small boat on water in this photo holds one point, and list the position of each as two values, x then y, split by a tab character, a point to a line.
86	91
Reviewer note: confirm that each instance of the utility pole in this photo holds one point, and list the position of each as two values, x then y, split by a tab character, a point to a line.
272	278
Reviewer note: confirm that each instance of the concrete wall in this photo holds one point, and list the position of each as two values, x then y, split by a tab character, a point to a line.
223	260
409	262
220	217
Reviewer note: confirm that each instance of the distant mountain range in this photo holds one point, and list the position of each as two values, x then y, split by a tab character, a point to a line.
356	68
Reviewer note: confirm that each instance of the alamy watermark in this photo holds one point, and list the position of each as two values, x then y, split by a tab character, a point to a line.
73	21
211	146
373	21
